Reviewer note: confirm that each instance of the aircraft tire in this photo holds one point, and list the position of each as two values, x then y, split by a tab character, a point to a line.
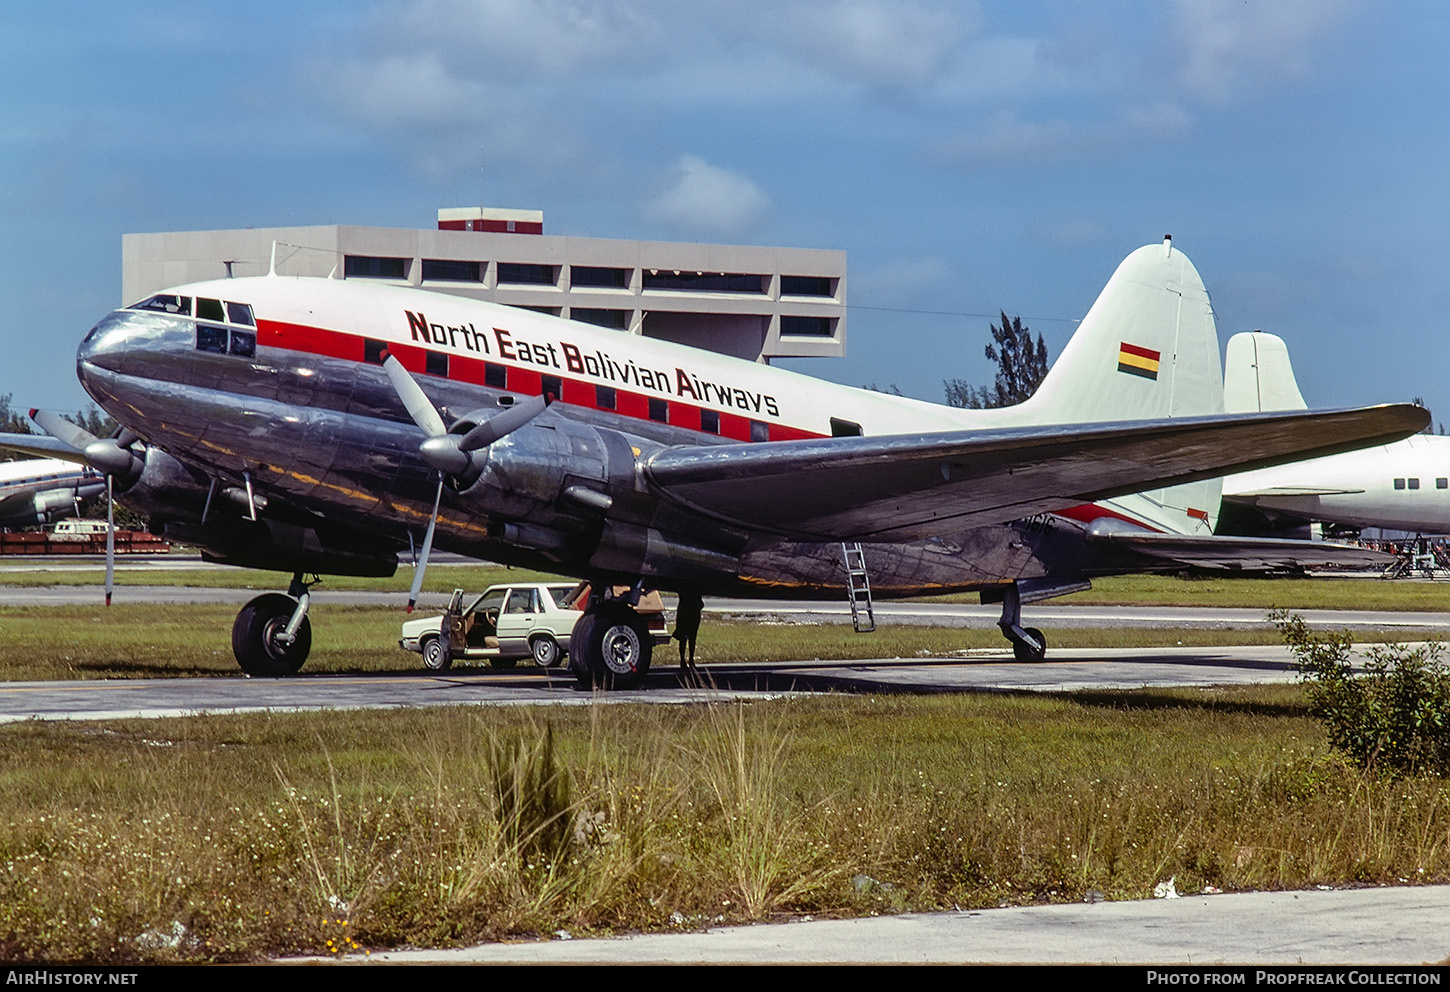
435	655
1025	652
610	648
254	640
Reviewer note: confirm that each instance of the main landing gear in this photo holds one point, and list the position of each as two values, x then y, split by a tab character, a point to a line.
1028	643
271	636
611	644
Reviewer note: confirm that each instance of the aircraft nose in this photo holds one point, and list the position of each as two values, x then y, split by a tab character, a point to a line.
106	345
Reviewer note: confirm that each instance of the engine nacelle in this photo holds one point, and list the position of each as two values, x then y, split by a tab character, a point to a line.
525	474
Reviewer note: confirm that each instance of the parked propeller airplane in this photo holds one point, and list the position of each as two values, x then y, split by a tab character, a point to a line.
39	490
1399	486
275	422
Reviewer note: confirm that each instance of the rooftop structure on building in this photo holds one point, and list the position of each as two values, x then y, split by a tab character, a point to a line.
752	302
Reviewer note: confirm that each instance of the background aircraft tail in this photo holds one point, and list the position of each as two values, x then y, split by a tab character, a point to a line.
1257	376
1147	350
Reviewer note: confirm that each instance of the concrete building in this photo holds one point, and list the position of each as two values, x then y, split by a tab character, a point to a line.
757	303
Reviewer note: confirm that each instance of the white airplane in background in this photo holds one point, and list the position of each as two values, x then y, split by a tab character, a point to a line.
1399	486
322	425
38	490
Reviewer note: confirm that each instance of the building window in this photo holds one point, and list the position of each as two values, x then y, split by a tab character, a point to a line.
659	410
451	270
613	319
704	282
710	421
605	397
805	286
370	267
814	327
525	274
589	275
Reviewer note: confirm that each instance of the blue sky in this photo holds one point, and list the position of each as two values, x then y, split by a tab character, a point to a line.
970	157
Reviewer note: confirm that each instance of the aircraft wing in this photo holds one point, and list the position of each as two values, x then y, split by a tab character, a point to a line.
912	486
41	446
1247	554
1249	495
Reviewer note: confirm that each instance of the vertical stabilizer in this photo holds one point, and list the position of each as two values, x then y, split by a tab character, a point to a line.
1257	376
1147	350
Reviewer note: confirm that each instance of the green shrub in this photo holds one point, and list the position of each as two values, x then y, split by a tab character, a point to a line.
1393	717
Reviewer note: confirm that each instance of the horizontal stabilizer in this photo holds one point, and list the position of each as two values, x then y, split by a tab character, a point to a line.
912	486
41	446
1247	554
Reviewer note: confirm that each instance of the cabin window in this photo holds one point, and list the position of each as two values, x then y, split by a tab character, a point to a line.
844	428
437	364
1442	483
209	309
494	376
759	431
373	351
604	397
551	385
710	421
1399	483
1414	483
659	410
240	313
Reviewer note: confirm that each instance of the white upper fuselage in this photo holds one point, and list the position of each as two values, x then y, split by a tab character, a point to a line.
1401	486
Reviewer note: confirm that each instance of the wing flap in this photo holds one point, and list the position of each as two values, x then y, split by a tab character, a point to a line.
907	487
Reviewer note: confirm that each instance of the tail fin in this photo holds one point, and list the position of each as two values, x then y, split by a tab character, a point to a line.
1147	350
1257	376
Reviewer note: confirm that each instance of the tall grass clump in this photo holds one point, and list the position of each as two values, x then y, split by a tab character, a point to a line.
1395	717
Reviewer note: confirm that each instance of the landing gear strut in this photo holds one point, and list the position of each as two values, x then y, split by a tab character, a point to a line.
611	645
1028	643
272	636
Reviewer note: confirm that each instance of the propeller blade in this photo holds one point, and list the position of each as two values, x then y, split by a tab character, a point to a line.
417	403
110	538
57	426
422	565
505	423
126	437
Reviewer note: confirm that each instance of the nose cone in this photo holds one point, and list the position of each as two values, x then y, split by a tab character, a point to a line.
104	348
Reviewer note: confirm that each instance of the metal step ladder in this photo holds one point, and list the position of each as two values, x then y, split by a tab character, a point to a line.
858	587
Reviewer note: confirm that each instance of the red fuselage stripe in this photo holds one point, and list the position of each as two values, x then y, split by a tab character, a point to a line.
515	379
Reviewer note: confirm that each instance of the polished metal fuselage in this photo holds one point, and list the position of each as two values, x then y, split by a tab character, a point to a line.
328	439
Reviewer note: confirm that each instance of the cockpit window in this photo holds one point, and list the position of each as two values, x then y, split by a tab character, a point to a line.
165	303
211	337
244	343
209	309
240	313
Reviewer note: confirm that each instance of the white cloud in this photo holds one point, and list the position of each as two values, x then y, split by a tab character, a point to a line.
1229	48
1005	140
877	44
706	199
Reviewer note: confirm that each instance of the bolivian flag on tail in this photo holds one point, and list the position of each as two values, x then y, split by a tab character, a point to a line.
1138	361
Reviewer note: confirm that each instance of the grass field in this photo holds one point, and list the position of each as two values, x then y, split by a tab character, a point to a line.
243	837
234	838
